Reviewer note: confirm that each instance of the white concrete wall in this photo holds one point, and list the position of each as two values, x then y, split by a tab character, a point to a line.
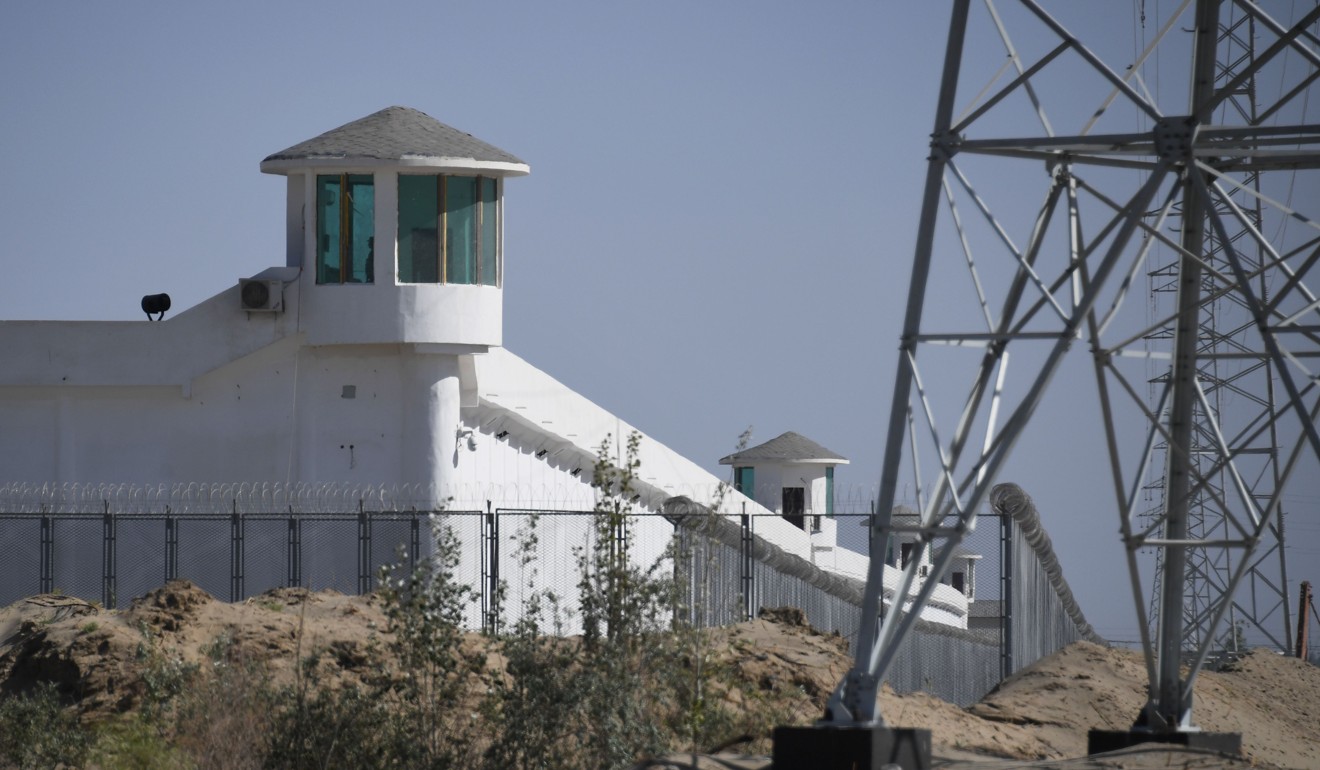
217	394
540	413
281	414
174	351
235	426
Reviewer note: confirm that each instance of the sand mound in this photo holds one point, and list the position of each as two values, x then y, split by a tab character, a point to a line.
1272	700
96	659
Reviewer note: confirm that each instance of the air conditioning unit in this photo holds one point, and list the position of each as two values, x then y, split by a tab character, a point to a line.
260	295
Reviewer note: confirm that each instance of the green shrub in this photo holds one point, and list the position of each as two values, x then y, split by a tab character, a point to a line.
35	732
165	676
133	743
221	721
594	702
531	707
416	715
320	728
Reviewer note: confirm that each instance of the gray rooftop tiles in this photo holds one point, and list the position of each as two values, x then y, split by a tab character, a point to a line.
392	134
790	447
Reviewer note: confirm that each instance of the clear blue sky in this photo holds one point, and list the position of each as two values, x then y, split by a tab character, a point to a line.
717	230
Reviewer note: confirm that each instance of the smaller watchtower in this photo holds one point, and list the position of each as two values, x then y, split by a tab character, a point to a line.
792	476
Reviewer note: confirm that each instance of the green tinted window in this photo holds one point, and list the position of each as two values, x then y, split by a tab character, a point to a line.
345	228
327	229
466	209
461	229
360	246
744	480
419	248
489	233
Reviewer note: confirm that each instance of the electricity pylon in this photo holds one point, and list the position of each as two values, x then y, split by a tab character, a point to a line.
1235	390
1051	190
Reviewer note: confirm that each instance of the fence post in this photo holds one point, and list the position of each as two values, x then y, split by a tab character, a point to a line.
872	552
108	560
490	556
870	538
1005	595
47	558
236	526
293	553
483	522
171	546
620	548
414	541
747	564
364	551
684	575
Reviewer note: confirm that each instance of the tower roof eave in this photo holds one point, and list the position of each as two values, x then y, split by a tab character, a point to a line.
395	137
331	162
787	448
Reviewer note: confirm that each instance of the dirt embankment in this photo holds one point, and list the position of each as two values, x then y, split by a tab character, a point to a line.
97	658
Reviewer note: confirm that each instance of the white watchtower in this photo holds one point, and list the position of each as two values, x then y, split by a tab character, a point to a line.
395	221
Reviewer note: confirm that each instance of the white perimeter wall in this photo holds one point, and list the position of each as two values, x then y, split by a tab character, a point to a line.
119	410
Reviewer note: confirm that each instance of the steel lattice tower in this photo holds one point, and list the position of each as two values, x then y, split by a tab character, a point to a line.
1261	604
1057	177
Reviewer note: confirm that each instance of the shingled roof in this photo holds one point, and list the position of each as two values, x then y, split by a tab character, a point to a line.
788	448
395	136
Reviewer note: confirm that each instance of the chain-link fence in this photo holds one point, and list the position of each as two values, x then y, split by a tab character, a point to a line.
1040	611
1022	609
242	547
113	556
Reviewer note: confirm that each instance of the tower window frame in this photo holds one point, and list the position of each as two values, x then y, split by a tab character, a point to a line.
744	480
468	210
351	259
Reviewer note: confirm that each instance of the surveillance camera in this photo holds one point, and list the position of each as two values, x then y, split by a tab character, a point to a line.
472	442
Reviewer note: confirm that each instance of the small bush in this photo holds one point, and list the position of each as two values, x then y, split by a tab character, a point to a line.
418	710
35	732
594	702
221	721
537	692
318	728
165	676
132	743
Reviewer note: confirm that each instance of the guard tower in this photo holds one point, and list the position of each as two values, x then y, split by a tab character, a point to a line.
395	223
396	220
792	476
